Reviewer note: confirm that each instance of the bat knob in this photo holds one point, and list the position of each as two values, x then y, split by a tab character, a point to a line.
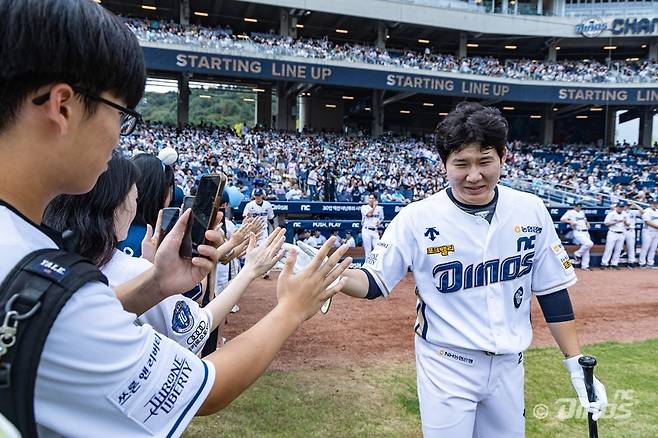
587	361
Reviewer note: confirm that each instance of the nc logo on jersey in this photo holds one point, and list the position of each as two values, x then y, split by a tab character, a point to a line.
431	233
444	250
518	297
182	320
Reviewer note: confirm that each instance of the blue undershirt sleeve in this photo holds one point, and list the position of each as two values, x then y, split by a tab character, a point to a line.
373	289
556	307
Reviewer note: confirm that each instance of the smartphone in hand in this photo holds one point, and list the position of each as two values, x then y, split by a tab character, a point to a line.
204	212
170	216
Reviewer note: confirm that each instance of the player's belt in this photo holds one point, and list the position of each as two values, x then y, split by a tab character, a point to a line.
371	229
618	232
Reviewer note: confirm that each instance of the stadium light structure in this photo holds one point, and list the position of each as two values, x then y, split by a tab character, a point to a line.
510	47
632	59
299	26
609	47
405	112
205	96
472	45
250	20
508	108
423	41
149	7
329	105
342	31
596	108
258	90
443	114
582	117
367	108
348	97
644	46
535	116
200	14
248	99
428	104
557	47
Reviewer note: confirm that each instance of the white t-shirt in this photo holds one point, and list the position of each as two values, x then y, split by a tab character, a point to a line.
474	279
177	317
99	374
578	217
350	242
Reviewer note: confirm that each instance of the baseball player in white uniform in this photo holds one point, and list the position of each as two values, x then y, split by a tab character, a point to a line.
259	207
649	235
579	224
629	235
372	216
616	221
478	252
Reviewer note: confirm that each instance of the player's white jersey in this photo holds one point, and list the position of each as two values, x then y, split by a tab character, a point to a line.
474	280
578	217
264	210
650	215
373	221
632	218
613	216
177	317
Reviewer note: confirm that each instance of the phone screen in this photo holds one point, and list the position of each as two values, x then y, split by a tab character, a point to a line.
169	218
188	201
204	211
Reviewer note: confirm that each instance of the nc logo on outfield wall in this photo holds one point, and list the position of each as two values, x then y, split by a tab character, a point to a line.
591	27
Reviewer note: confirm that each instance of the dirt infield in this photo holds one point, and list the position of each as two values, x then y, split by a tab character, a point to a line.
610	305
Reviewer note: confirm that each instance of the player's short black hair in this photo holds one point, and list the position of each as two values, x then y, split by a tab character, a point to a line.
77	42
469	123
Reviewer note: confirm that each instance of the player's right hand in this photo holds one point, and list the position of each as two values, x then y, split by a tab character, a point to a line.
304	293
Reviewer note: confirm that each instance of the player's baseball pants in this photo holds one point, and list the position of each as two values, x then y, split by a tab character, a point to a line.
649	244
629	236
582	238
370	239
614	243
467	393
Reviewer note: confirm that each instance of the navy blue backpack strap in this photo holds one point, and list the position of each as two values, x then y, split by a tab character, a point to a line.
31	297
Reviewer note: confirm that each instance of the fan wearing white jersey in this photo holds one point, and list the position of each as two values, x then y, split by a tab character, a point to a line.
616	221
579	224
478	252
64	106
259	207
633	211
372	217
649	235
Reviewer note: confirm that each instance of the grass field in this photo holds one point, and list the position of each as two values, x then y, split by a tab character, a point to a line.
381	401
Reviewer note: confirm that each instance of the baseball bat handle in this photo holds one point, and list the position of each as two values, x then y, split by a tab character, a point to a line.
588	363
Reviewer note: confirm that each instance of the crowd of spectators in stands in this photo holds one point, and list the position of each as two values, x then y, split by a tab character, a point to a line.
588	71
343	168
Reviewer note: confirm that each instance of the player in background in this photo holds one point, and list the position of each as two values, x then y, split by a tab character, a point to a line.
349	240
649	235
577	219
372	216
478	252
633	211
259	207
616	221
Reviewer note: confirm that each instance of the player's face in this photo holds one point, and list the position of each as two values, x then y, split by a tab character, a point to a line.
473	174
371	200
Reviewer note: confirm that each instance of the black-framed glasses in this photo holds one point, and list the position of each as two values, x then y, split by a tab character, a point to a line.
129	118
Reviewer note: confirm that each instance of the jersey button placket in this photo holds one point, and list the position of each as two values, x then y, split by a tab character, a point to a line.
495	316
